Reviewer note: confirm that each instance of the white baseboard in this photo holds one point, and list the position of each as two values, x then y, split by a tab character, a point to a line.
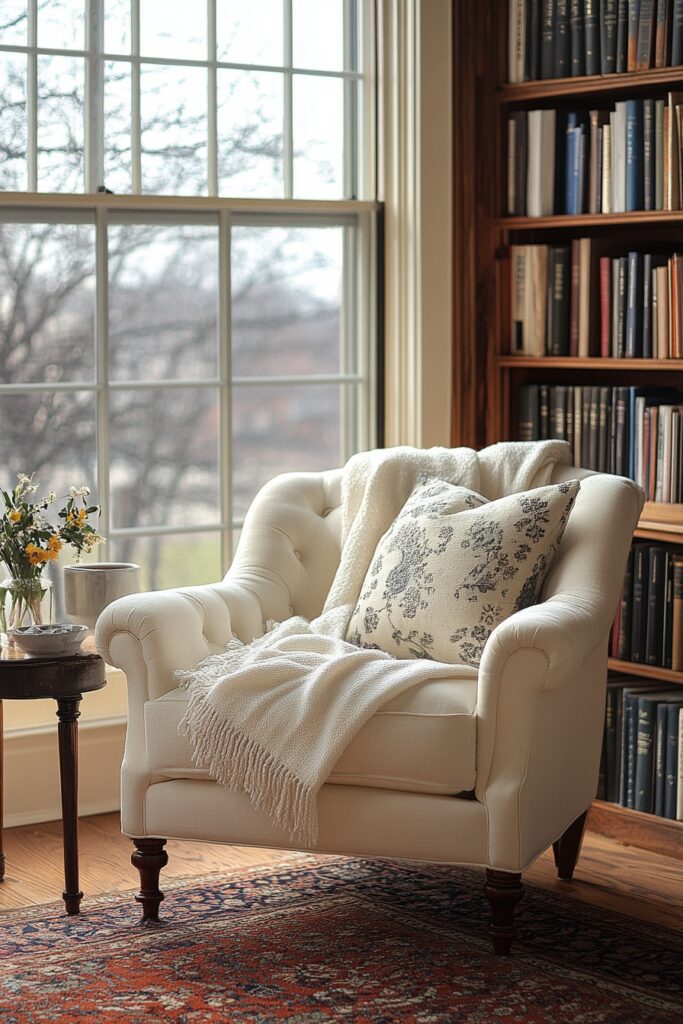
31	771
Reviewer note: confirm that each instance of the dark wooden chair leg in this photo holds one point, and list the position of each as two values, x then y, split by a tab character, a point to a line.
503	890
149	857
566	849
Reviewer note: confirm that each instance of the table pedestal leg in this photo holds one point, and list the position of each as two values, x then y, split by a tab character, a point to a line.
2	855
68	714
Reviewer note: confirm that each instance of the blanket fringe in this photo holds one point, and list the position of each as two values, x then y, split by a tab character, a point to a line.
240	764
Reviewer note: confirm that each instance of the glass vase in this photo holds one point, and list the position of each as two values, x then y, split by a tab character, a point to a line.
24	602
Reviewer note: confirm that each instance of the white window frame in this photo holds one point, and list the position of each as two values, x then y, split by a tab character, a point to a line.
359	313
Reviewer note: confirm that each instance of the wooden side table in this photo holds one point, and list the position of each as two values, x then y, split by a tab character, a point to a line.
65	680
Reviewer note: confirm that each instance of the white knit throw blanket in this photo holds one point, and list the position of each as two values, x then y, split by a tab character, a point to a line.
270	719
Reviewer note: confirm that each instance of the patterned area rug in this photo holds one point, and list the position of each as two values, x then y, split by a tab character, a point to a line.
333	939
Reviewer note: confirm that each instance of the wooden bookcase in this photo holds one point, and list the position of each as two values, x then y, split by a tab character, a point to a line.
487	377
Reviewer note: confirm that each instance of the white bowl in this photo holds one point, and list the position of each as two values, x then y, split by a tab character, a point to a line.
60	639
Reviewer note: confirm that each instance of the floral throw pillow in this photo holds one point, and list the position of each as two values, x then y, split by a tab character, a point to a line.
453	565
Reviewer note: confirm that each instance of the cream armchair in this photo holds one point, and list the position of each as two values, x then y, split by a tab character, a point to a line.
488	772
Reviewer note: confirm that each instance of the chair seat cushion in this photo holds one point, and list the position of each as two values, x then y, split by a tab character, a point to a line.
422	741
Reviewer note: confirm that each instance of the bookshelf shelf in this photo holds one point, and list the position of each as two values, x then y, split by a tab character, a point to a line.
588	85
583	221
632	668
592	363
633	828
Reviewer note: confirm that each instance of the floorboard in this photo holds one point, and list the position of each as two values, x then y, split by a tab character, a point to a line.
609	875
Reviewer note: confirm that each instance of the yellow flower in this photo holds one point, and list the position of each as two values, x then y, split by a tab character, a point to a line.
14	516
34	554
54	544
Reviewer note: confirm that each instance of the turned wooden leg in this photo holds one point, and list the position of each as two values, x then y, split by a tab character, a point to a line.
566	849
149	858
503	890
67	731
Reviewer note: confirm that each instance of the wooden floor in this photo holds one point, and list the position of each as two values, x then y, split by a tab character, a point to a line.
620	878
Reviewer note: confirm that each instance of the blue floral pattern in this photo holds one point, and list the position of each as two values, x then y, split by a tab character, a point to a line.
451	558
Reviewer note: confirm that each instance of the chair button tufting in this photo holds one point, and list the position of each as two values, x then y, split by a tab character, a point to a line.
325	512
297	555
291	609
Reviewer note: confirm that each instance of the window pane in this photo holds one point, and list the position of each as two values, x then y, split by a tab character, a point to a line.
49	434
117	26
13	22
173	560
47	288
173	28
318	34
250	133
318	137
163	302
280	428
250	33
13	174
117	101
173	112
61	24
286	300
164	457
60	124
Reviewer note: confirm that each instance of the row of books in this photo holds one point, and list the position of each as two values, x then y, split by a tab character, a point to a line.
600	161
648	627
559	38
577	300
634	432
642	752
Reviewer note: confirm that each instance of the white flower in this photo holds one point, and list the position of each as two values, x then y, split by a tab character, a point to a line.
51	496
27	483
79	492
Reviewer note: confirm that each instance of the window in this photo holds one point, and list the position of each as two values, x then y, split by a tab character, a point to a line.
206	322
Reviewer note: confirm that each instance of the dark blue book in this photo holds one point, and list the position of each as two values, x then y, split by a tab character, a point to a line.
629	747
660	759
677	33
622	35
634	155
671	760
563	53
571	148
645	711
634	307
578	36
638	605
591	29
656	591
548	39
532	43
608	36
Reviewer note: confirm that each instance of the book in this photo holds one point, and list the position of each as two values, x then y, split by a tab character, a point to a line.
624	634
532	41
671	759
562	48
518	303
578	36
606	169
543	412
638	605
528	421
540	162
667	637
658	800
646	344
656	584
646	711
632	39
574	289
516	40
605	306
597	120
679	785
646	35
608	36
662	278
548	39
603	428
618	138
677	33
662	34
634	306
677	629
512	165
520	172
634	155
659	155
592	37
648	154
559	261
622	36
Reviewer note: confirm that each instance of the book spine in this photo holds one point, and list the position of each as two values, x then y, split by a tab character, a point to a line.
512	153
648	154
608	36
662	276
518	298
515	40
677	628
527	426
594	422
544	411
548	39
631	737
644	766
671	761
559	301
647	310
606	166
638	608
661	25
592	37
575	283
679	784
611	744
520	162
571	156
624	635
646	30
634	307
659	154
660	759
634	155
667	636
603	429
578	37
677	33
563	56
578	424
605	306
632	40
656	584
532	45
622	291
622	35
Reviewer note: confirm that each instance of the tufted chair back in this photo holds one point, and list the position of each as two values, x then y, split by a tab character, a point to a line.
290	544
